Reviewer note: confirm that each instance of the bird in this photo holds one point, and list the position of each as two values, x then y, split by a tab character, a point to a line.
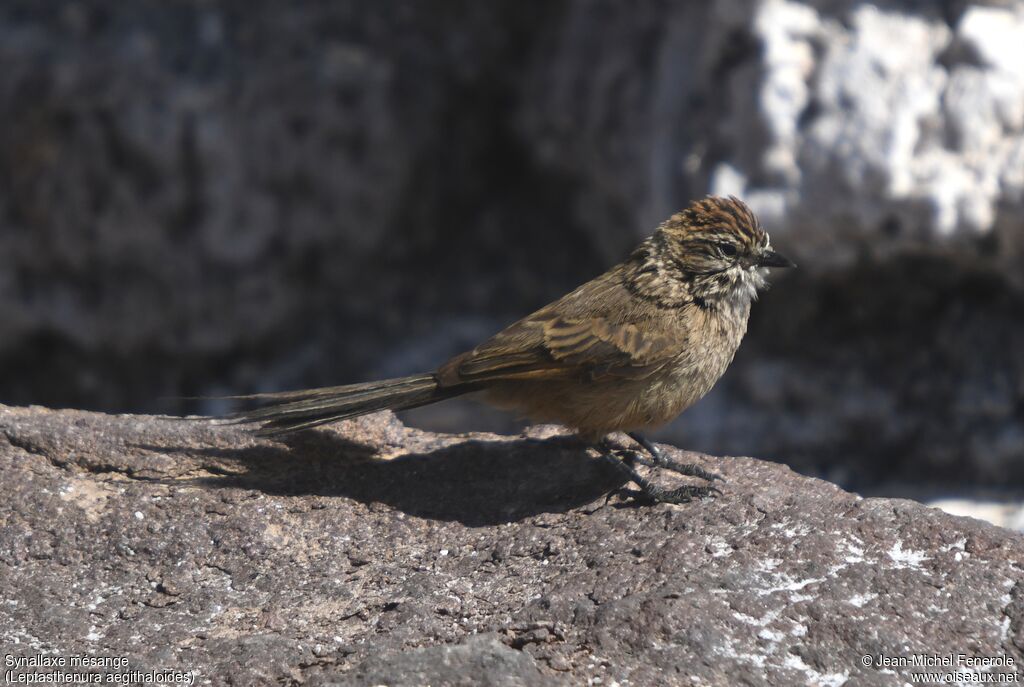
627	351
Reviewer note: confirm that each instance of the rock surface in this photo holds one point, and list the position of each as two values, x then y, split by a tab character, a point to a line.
371	553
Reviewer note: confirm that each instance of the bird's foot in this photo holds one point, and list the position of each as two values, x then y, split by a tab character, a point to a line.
660	460
685	469
623	460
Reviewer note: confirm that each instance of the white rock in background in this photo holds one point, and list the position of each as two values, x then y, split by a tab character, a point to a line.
885	128
1003	513
786	30
996	34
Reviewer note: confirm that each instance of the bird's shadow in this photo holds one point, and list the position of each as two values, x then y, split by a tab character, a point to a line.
473	482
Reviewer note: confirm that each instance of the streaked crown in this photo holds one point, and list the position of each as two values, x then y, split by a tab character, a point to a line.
715	233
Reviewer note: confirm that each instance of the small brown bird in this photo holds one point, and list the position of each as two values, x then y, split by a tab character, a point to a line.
627	351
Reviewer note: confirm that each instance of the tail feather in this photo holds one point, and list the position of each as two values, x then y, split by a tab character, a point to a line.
291	411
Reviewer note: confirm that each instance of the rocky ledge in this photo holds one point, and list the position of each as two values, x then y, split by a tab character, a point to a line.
373	553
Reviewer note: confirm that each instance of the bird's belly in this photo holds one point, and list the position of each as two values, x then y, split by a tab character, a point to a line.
600	406
596	406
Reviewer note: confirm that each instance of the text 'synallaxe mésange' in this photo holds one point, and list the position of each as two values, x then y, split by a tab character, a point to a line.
78	669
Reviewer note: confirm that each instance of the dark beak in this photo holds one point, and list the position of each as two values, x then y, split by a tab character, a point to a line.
770	258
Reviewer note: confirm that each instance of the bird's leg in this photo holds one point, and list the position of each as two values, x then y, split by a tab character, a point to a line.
660	460
682	494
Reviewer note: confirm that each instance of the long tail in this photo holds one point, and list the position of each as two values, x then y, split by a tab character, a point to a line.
291	411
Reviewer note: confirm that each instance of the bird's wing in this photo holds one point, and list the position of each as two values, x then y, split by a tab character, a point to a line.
547	345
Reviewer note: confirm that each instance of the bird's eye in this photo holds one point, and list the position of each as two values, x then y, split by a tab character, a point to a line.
727	249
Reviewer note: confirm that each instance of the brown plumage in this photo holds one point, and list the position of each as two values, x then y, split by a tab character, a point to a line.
626	351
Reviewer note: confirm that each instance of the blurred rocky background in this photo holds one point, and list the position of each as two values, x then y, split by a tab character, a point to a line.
202	198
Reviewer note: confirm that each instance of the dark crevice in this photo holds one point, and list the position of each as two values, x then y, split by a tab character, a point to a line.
31	448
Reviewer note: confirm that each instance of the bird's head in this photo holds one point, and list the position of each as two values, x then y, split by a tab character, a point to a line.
719	249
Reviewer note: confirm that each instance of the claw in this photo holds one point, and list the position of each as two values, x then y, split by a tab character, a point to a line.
695	470
691	470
